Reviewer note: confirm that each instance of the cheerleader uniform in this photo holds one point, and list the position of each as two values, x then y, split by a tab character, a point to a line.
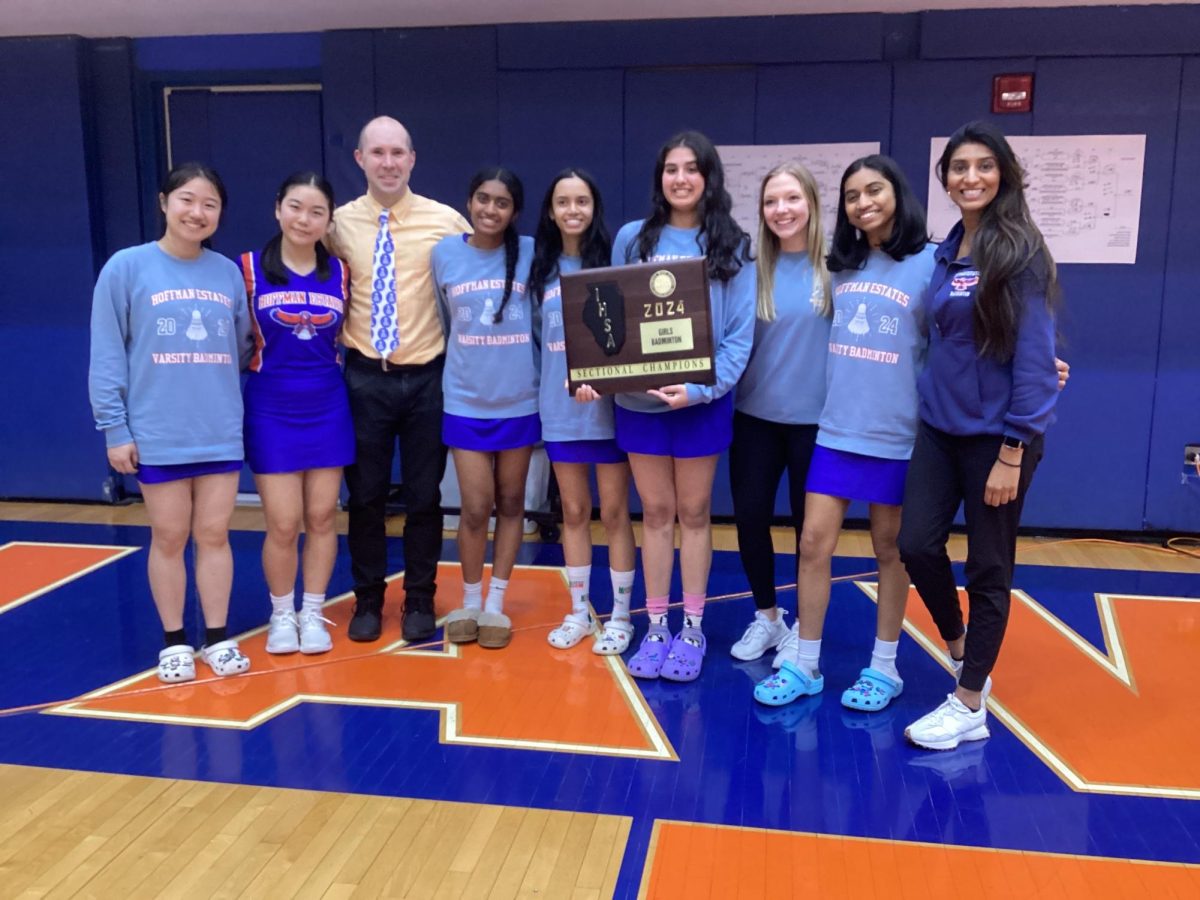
490	382
297	408
573	432
705	426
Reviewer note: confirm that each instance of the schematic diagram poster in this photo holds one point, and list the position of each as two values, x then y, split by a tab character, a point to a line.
745	166
1084	191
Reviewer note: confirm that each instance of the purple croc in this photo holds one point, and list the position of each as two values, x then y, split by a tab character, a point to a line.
686	656
649	659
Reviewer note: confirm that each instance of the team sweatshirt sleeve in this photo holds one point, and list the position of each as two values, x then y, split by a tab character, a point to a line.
736	337
1035	380
241	325
621	243
108	366
436	265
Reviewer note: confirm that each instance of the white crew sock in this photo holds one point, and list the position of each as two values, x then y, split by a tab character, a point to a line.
883	658
578	579
495	595
808	657
312	603
473	595
283	603
622	586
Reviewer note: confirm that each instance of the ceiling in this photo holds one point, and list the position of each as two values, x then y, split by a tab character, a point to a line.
141	18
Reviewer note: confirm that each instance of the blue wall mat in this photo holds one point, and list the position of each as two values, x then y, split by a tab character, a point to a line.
441	83
824	103
694	42
348	82
48	445
1094	31
227	52
1172	503
110	109
552	120
1095	467
661	102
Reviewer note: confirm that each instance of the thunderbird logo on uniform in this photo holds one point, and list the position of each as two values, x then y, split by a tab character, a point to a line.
604	315
304	325
963	282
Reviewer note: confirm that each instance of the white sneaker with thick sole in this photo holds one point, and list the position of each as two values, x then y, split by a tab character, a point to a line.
760	636
282	636
788	648
313	636
948	726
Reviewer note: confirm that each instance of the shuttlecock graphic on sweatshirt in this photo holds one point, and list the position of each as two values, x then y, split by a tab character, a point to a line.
196	330
859	324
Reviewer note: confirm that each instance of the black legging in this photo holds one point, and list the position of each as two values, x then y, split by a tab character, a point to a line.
758	456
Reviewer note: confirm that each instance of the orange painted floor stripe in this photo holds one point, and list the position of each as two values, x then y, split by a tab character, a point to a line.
28	570
527	693
692	860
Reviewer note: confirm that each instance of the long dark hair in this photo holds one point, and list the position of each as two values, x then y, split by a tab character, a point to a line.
512	241
271	257
726	246
1007	247
185	172
595	246
851	247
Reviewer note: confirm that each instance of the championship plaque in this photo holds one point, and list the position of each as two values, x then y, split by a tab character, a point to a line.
637	327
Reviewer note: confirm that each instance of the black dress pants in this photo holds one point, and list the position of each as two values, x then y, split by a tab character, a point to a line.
403	402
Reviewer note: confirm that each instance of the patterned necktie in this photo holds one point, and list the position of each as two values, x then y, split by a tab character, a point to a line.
384	334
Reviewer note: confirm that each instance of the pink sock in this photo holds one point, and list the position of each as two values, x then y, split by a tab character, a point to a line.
693	609
656	607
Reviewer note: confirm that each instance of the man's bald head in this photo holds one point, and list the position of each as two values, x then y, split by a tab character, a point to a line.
386	156
383	127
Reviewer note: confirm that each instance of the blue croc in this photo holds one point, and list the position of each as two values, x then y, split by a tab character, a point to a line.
685	656
649	659
787	684
872	692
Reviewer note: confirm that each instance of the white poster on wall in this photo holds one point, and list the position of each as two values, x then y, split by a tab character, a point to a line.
1084	191
745	167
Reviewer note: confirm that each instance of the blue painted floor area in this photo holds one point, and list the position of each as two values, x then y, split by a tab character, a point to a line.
811	766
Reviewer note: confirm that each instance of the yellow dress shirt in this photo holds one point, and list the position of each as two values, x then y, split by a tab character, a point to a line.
416	223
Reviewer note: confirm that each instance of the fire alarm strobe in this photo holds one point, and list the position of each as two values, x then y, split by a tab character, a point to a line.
1012	93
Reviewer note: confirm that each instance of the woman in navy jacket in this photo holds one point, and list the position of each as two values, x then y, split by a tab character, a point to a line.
987	394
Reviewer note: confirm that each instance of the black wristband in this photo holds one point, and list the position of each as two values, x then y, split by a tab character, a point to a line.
1006	463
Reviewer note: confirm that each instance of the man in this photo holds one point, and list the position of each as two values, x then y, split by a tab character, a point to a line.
395	351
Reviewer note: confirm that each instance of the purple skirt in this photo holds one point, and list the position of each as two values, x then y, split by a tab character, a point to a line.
598	452
147	474
294	423
490	435
705	429
852	476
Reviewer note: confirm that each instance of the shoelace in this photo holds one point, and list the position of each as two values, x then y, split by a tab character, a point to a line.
310	617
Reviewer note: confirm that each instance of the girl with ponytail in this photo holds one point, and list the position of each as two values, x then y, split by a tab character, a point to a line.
491	392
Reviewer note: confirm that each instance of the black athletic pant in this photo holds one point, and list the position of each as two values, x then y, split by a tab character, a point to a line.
758	456
947	470
402	402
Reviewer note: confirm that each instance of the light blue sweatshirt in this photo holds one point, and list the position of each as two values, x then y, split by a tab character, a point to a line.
562	418
876	350
731	304
169	337
784	380
491	366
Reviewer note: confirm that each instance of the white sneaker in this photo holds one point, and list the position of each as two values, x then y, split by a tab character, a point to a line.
788	648
761	635
957	666
948	725
313	636
282	636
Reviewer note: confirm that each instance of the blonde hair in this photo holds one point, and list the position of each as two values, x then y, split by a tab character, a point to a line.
768	246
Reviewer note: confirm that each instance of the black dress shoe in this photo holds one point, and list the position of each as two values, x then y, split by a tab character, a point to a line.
367	623
419	621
